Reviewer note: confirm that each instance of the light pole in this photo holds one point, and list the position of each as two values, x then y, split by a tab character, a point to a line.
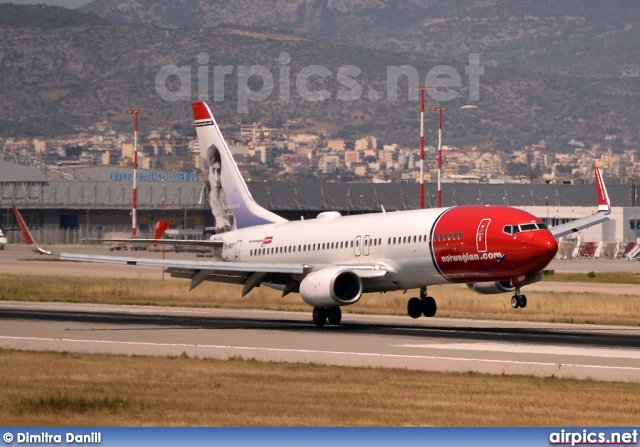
134	220
439	109
422	88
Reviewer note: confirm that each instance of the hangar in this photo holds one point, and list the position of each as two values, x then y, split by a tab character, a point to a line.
67	205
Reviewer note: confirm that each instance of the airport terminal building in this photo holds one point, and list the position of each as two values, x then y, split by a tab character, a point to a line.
67	205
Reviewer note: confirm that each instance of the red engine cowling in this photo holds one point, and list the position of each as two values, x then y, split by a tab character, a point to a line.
491	287
331	286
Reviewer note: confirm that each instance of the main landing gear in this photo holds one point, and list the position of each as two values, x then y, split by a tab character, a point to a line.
518	300
425	305
322	314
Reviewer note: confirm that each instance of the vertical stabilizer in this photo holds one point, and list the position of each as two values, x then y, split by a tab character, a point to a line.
230	199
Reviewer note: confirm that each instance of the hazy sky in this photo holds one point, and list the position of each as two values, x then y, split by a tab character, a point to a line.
65	3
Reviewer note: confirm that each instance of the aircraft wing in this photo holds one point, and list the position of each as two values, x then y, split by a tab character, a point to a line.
193	243
248	273
602	215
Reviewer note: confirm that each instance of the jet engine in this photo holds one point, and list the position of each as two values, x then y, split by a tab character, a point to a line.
491	287
331	286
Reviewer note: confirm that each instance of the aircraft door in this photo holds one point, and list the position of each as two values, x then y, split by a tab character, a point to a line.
236	257
365	245
356	245
481	235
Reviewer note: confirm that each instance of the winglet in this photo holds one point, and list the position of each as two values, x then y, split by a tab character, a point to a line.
27	234
604	204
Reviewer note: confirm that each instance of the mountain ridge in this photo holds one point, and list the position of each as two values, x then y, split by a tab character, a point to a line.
54	79
552	37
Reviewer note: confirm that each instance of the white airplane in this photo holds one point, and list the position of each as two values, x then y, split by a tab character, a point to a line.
332	260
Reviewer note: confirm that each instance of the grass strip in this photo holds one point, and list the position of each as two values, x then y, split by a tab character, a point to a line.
62	389
454	301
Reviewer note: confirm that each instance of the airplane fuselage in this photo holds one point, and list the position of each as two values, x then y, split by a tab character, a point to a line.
418	248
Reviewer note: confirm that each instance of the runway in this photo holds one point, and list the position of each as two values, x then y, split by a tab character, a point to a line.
576	351
435	344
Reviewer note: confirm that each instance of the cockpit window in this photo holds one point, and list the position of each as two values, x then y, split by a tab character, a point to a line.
514	229
528	227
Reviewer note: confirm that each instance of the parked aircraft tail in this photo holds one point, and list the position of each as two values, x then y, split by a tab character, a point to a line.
230	199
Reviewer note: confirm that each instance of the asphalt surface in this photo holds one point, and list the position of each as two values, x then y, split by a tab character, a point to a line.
434	344
598	352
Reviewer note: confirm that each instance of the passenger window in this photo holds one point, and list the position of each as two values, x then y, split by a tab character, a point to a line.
460	236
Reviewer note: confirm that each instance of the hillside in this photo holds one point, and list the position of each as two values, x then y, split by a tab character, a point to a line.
580	37
52	79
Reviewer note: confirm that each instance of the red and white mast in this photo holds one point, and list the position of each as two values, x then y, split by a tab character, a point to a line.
422	88
134	220
439	109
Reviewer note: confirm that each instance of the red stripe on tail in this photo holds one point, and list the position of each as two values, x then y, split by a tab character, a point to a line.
200	111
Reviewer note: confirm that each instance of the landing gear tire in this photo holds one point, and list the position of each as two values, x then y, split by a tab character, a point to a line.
515	302
334	314
319	316
414	307
429	307
522	301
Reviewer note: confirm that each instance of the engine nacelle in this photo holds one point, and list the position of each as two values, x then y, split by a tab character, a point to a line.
331	286
492	287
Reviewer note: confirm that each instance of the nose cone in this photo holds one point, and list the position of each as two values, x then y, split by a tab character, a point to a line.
542	247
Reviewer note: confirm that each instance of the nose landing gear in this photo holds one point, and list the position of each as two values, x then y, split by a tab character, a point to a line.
425	305
518	300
